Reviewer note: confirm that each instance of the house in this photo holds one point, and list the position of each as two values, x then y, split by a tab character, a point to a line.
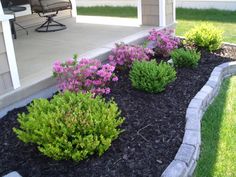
25	62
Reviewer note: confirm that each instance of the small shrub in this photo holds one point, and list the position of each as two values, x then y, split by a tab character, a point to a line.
150	76
71	125
162	42
86	75
185	57
205	36
125	55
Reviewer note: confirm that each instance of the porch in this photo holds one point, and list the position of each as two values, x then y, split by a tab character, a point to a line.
36	52
27	67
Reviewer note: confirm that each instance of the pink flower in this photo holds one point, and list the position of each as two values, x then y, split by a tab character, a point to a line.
115	79
93	67
107	90
57	62
163	42
69	61
126	54
86	75
97	82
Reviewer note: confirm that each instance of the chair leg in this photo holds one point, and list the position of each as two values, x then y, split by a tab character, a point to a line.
22	27
13	29
43	24
50	25
60	24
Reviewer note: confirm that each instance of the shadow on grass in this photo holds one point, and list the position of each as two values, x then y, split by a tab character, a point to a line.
206	15
211	126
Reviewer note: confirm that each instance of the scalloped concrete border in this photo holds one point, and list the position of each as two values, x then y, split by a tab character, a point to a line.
186	158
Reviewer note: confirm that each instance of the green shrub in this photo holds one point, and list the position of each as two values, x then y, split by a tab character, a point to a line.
185	57
150	76
205	36
70	126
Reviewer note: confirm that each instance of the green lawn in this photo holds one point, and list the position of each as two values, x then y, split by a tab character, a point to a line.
225	20
127	11
186	18
218	155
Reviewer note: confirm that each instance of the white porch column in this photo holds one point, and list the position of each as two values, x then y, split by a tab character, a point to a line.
1	10
174	11
139	6
9	47
74	8
162	14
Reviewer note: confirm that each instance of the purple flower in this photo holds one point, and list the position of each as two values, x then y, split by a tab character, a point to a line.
126	54
163	42
115	79
87	75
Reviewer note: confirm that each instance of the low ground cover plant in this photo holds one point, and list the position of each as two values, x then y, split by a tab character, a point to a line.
86	75
125	55
71	125
150	76
162	42
205	36
185	57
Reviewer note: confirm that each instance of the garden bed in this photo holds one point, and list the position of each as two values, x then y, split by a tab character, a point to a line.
153	130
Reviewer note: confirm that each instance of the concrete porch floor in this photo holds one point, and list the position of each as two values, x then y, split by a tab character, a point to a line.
36	52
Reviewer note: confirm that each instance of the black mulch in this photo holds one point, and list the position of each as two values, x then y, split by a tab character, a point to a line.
154	129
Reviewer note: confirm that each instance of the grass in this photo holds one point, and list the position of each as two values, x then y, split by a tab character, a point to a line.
218	155
186	18
225	20
126	11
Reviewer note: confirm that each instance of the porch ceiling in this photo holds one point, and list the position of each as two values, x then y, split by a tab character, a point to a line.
36	52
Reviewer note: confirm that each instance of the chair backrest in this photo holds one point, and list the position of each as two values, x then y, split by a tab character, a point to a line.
45	6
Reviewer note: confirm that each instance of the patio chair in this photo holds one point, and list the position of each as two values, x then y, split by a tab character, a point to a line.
50	9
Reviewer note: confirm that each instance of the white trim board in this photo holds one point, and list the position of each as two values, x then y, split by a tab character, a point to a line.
174	11
139	7
162	13
1	10
115	21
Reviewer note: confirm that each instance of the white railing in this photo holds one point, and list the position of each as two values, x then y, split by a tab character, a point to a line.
9	47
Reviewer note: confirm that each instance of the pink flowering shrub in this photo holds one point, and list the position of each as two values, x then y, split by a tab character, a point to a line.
87	75
162	42
125	54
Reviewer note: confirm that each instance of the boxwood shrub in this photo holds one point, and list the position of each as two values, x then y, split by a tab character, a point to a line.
185	57
150	76
70	125
205	36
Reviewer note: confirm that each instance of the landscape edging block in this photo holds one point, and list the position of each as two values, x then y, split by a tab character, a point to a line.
194	114
196	103
176	168
193	124
13	174
185	154
192	137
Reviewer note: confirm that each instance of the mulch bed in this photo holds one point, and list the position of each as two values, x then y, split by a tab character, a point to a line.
154	128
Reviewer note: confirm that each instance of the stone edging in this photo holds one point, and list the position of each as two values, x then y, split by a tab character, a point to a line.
186	158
